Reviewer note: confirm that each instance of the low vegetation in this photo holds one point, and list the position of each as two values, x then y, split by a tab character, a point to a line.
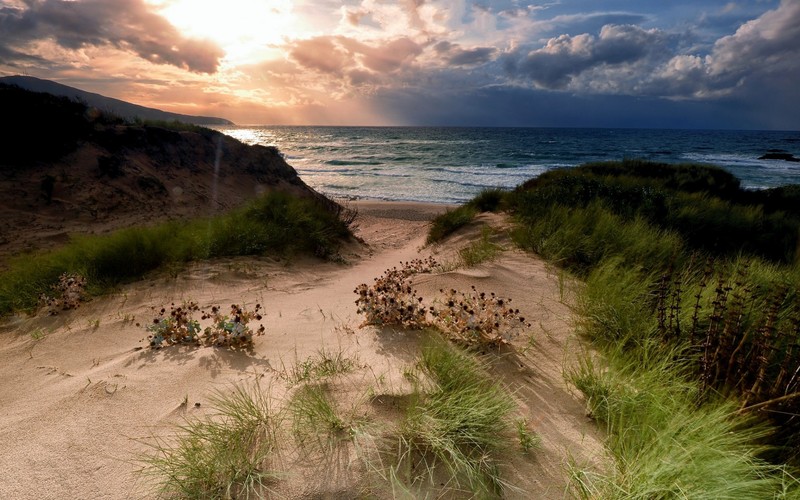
489	200
452	435
663	445
277	223
459	419
482	250
686	274
227	455
178	325
473	318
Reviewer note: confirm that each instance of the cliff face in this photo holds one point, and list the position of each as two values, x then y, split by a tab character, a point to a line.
65	168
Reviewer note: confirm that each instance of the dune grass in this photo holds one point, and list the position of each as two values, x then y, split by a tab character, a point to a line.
703	205
458	422
449	222
277	223
228	455
489	200
324	364
317	421
663	445
692	294
482	250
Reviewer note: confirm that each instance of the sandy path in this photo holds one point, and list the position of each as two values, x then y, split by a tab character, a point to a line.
77	400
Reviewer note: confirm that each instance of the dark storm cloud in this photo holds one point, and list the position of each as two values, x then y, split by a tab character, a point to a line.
629	60
454	55
766	48
565	57
576	24
128	25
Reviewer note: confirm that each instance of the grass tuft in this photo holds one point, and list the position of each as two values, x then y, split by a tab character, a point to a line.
450	222
482	250
322	365
316	420
458	420
227	455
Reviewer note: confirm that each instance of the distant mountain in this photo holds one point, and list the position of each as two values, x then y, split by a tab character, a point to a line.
108	104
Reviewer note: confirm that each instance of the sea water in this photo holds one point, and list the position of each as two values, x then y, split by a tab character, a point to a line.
451	165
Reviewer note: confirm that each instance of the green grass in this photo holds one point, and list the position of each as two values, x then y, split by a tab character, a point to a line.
450	222
317	423
276	223
489	200
482	250
703	205
663	445
322	365
228	455
692	292
458	422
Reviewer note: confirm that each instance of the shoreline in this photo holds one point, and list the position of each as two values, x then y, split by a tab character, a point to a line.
401	210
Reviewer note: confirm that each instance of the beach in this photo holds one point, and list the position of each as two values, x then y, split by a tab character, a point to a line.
85	395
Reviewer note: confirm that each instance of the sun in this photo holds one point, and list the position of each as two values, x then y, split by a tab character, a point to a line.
247	30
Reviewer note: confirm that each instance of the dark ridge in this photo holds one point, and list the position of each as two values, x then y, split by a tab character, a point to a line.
66	167
110	105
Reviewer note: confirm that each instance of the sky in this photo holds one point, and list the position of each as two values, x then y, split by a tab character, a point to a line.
567	63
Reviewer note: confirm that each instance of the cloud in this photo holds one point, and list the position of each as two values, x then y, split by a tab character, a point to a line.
630	60
565	57
765	47
127	25
454	55
336	55
322	54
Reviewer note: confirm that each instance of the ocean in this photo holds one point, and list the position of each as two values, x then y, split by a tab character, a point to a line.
452	164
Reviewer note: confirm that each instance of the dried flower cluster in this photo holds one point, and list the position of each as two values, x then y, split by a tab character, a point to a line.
232	330
473	318
391	300
476	317
70	292
178	326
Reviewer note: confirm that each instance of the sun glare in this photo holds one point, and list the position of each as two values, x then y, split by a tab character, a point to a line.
247	30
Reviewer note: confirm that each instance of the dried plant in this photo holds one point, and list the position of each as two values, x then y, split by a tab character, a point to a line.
391	300
178	326
749	337
174	326
70	291
476	317
232	330
472	318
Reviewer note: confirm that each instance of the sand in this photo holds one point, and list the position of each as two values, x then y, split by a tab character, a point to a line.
82	393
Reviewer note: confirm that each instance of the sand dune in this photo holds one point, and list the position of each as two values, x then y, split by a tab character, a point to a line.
82	392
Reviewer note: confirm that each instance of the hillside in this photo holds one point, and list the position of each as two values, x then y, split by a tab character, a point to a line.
67	168
108	104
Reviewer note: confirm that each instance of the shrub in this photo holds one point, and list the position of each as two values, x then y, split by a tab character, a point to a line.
488	200
472	318
232	330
